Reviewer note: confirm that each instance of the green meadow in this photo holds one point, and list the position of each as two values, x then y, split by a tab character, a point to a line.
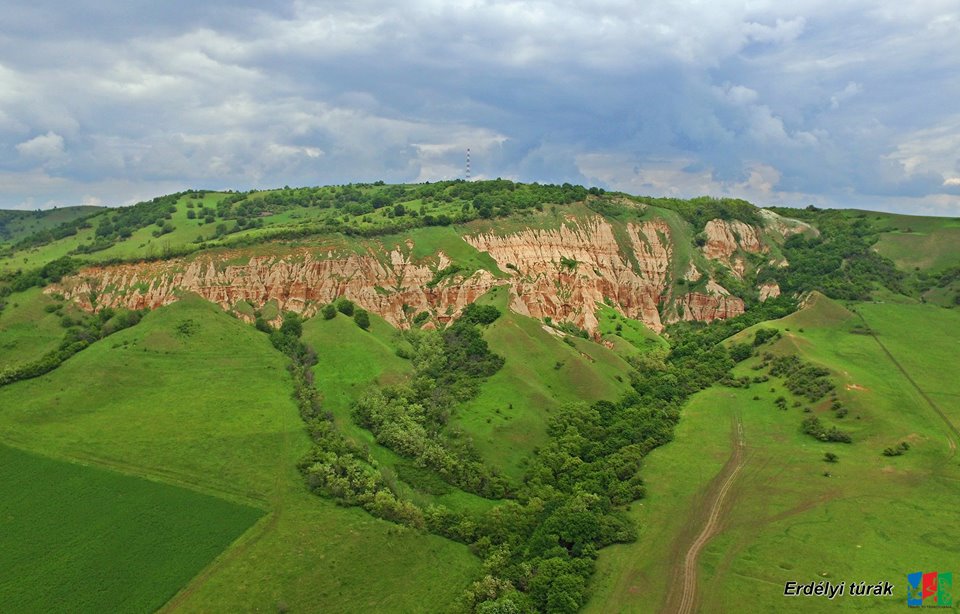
927	243
27	329
543	369
82	539
206	404
873	518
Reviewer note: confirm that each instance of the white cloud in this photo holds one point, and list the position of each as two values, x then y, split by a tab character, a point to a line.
783	31
44	147
852	89
932	149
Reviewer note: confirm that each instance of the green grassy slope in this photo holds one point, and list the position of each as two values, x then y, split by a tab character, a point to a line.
15	225
27	330
875	518
923	340
508	418
350	361
206	403
126	545
929	243
632	332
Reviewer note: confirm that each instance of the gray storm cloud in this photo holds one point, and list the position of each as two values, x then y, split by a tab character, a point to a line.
837	104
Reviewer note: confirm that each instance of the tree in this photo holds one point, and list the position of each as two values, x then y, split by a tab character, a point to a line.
362	318
292	325
345	306
329	311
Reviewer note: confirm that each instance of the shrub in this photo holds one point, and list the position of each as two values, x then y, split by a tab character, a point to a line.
362	318
329	311
345	306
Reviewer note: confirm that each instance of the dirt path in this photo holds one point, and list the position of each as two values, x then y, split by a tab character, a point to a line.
683	593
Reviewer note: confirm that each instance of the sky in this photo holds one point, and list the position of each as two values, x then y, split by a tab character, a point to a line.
836	104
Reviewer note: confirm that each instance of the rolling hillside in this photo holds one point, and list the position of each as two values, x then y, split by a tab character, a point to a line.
525	397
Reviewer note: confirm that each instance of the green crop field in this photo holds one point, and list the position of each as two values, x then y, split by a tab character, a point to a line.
784	519
81	539
902	329
927	243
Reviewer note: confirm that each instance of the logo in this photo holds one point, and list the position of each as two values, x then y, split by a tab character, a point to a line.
930	589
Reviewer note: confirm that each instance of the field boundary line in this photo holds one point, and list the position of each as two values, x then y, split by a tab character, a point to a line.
169	478
936	408
239	546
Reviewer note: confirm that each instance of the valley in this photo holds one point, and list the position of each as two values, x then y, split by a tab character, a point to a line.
524	397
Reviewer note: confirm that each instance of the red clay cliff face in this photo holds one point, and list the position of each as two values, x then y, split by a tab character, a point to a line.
300	283
725	238
560	273
714	304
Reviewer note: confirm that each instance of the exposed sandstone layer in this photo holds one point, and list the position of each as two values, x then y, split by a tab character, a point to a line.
714	304
725	238
562	274
770	289
557	273
301	282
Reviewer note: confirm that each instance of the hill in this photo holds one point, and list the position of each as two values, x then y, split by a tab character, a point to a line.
529	397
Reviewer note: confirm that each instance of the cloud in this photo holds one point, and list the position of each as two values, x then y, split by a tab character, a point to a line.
852	89
830	103
45	147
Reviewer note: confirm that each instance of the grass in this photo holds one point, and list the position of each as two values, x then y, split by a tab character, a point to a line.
212	410
16	225
27	330
923	340
912	241
876	518
507	420
428	242
931	251
126	545
631	331
350	361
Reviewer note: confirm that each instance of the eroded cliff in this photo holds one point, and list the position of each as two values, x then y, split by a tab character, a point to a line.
561	273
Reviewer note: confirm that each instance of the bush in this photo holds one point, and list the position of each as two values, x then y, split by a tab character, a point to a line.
764	335
739	351
329	311
479	314
421	317
362	318
345	306
899	450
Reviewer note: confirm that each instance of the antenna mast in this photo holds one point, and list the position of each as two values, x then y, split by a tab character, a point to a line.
468	164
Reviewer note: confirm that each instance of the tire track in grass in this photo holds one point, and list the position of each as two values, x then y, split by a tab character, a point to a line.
683	594
951	440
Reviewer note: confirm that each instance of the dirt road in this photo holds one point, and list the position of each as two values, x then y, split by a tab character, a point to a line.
683	593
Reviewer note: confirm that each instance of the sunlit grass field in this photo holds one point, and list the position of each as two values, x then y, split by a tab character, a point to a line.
874	518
